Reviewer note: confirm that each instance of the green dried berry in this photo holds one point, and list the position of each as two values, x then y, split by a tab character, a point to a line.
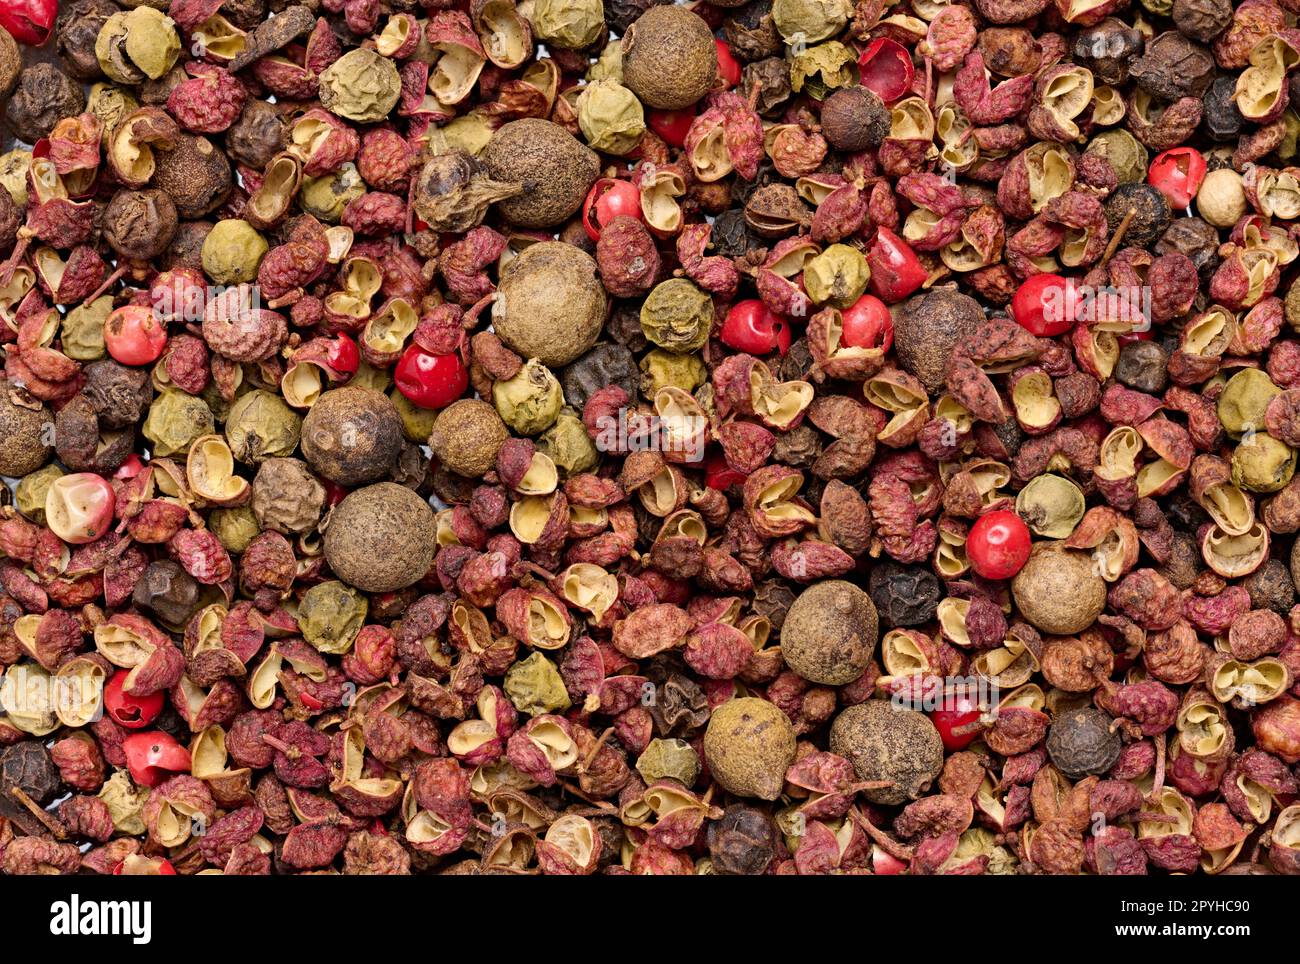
29	493
1051	505
326	196
235	528
260	425
176	419
821	69
1126	155
838	276
749	744
669	760
608	66
611	118
810	21
535	687
665	369
330	615
361	86
232	252
1244	400
417	422
110	104
572	24
82	331
677	315
568	444
137	44
531	400
1262	463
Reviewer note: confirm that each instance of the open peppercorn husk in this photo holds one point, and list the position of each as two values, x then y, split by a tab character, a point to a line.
581	438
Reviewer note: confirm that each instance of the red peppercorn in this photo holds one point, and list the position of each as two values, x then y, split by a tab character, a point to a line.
1177	174
867	324
133	335
885	67
30	21
957	719
728	66
132	712
151	756
609	198
672	125
1046	305
131	466
896	271
429	380
343	356
752	327
998	544
719	475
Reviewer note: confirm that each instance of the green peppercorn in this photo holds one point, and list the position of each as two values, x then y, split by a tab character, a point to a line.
677	315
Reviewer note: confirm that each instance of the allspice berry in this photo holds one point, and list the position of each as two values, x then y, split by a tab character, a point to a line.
749	744
854	118
25	435
352	435
555	169
669	57
466	437
11	62
888	742
1059	590
380	538
550	305
927	329
830	633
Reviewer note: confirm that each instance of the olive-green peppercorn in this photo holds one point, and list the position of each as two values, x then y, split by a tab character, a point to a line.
234	527
1262	463
29	493
380	538
361	86
326	196
1244	400
535	686
232	252
568	444
260	425
176	419
666	369
677	315
531	400
611	118
330	615
838	276
669	759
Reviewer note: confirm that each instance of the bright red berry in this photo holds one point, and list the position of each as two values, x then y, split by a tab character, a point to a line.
133	335
896	271
672	125
998	544
1177	174
752	327
957	719
132	712
152	756
609	198
728	66
429	380
885	68
867	324
1046	305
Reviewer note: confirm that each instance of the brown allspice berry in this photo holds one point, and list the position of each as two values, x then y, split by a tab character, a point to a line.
196	175
555	169
749	744
352	435
1083	742
466	437
669	57
854	118
927	329
550	305
889	743
11	62
380	538
26	434
140	224
1059	590
830	633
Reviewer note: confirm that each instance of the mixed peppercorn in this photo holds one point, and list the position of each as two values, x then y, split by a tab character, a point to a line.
784	436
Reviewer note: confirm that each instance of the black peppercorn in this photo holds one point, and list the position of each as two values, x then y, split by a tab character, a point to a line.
751	34
44	96
904	595
168	591
1082	742
1143	208
742	842
1173	67
118	393
27	766
1195	239
1142	367
854	118
140	224
1107	50
603	365
1219	114
1270	587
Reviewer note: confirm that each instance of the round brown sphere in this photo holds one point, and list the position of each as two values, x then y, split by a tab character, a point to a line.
466	436
555	169
24	436
1059	590
550	304
927	329
352	435
669	57
888	742
381	538
195	174
830	633
749	744
140	224
854	118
